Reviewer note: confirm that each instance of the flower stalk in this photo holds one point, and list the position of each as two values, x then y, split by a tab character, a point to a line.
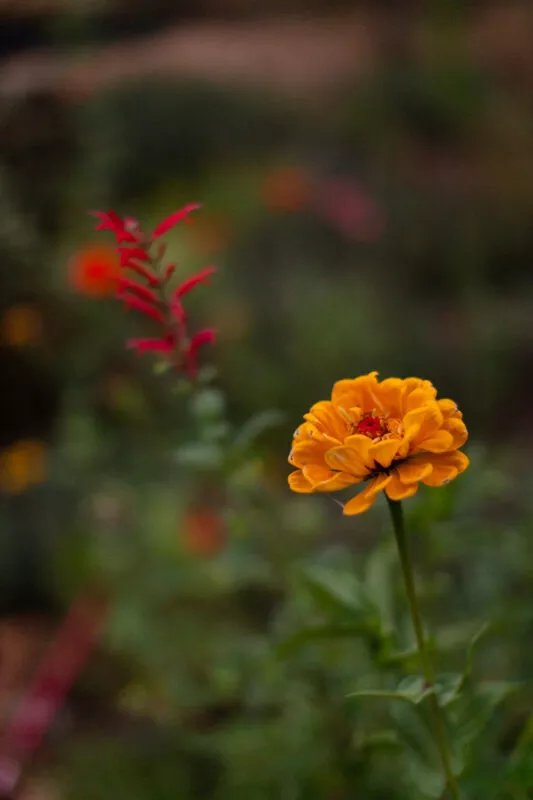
396	512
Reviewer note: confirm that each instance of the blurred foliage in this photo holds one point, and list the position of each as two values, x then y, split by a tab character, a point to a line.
387	226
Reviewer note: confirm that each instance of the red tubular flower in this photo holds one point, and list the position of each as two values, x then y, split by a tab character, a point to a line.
144	307
151	345
173	219
110	221
127	253
194	280
191	355
150	295
137	288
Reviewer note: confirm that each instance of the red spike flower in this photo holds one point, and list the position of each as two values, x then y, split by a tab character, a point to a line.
148	290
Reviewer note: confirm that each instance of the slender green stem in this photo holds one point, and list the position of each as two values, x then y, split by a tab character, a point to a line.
427	667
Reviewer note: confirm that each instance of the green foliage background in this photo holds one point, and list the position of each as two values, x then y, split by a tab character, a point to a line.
227	676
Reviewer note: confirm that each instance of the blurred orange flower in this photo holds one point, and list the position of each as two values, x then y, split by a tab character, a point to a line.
95	270
210	234
20	326
22	465
287	189
203	533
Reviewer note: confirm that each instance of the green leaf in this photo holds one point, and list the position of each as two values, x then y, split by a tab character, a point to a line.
379	740
337	596
476	638
207	374
411	690
379	694
378	583
200	455
318	633
254	427
208	405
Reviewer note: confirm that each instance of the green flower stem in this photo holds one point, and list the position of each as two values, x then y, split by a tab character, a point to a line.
427	667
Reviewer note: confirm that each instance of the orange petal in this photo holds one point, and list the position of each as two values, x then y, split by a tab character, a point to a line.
324	480
396	490
328	420
348	459
389	393
417	398
385	450
362	444
299	483
458	430
421	423
411	384
449	408
355	392
446	467
413	471
362	501
308	451
438	443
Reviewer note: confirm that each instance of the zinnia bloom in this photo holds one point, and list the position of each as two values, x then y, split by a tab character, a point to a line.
391	435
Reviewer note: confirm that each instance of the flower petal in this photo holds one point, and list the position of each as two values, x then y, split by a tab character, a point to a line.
348	459
327	418
439	442
299	483
356	392
396	490
389	393
207	336
307	452
153	345
413	471
385	450
194	280
458	430
362	501
137	288
144	307
449	408
173	219
446	467
423	422
325	480
417	398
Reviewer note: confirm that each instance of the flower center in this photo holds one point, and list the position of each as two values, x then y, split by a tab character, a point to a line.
370	426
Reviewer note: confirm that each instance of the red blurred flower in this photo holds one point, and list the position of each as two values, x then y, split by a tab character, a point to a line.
95	270
350	208
148	290
203	533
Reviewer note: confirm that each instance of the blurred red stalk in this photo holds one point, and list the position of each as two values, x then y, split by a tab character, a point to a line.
54	677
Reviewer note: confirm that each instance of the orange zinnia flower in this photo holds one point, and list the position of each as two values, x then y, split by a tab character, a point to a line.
391	434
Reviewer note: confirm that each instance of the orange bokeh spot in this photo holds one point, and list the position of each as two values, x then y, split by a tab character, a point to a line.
203	533
95	270
287	189
22	465
210	233
21	326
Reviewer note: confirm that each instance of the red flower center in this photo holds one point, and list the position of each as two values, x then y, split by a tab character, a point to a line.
370	426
